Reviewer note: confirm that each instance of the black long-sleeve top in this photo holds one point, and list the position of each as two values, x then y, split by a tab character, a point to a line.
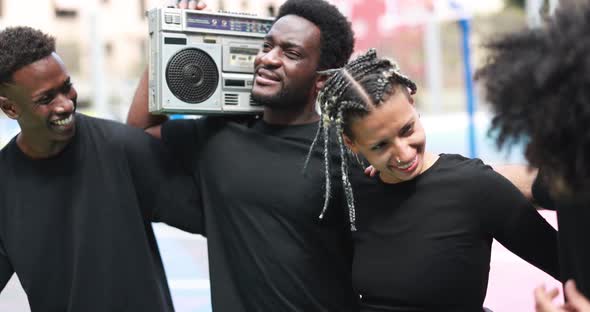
425	244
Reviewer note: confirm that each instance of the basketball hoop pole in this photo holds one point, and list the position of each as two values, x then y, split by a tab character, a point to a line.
469	92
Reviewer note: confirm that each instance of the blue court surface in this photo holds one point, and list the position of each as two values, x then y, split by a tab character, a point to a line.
185	255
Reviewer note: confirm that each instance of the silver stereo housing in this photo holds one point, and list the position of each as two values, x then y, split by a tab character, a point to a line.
202	62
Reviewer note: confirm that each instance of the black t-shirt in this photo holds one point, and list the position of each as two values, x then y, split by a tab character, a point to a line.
76	228
573	220
268	250
425	244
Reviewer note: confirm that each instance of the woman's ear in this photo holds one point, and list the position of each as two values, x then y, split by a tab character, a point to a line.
320	82
350	143
409	95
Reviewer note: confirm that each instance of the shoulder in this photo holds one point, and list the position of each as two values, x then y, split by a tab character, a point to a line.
4	159
108	132
205	124
226	120
95	124
7	150
456	162
489	192
215	119
8	159
470	170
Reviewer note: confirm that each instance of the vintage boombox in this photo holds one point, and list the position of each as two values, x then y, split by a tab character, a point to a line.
203	62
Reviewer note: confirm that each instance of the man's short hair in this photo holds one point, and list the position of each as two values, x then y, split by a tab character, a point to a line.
336	35
21	46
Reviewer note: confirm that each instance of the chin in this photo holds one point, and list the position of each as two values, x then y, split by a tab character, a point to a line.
65	139
66	136
270	100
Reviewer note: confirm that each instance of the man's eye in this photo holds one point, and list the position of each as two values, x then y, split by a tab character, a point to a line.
44	101
67	88
292	55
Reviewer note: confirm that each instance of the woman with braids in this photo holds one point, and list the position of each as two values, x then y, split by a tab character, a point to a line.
424	226
538	83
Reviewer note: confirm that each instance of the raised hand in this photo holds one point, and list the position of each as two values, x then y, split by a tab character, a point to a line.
576	301
191	4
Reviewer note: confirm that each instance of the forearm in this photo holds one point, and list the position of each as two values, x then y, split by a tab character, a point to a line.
139	115
533	239
514	222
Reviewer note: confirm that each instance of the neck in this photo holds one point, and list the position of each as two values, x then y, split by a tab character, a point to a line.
39	149
290	117
429	160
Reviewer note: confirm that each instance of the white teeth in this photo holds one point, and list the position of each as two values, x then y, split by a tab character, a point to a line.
64	122
405	166
408	165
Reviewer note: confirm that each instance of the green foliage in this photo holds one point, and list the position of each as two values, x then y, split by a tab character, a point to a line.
517	3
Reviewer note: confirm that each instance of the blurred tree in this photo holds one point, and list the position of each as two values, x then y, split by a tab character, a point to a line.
517	3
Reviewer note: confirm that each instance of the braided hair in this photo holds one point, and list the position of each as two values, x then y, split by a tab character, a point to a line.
350	93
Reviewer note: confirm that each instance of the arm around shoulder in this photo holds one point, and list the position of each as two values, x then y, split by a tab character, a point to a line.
166	190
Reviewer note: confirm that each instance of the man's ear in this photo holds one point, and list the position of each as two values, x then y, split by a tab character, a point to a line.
350	143
8	107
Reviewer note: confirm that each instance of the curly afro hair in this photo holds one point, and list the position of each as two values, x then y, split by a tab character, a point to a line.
20	47
538	83
336	35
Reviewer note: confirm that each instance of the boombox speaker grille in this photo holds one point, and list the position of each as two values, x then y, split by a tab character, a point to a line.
192	75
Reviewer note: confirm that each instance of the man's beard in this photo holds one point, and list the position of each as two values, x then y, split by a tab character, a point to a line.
294	98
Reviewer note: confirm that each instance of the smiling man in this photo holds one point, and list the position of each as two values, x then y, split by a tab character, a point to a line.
268	250
78	194
45	128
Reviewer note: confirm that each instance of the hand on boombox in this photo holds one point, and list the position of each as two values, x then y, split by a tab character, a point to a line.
189	4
